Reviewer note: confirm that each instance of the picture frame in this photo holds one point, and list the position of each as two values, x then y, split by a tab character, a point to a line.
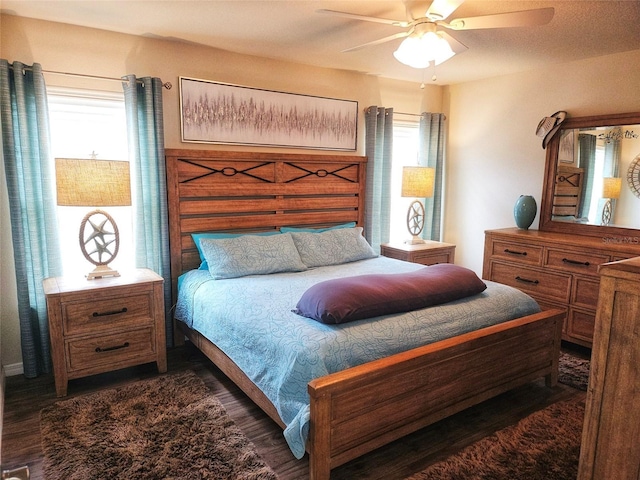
214	112
567	153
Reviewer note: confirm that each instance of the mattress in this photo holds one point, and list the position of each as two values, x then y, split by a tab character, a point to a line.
251	320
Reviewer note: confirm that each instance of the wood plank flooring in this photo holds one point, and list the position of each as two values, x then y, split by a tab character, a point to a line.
25	398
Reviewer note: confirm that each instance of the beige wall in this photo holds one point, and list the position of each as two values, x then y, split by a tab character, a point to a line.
65	48
494	155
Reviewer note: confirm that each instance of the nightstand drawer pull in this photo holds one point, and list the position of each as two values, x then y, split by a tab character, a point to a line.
575	262
526	280
112	312
515	252
109	349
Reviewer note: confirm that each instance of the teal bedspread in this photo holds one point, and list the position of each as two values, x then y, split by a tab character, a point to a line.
250	320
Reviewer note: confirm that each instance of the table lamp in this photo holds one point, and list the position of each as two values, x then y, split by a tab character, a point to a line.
417	182
611	187
95	183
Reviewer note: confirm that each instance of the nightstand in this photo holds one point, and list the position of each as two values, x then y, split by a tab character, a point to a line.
428	253
105	324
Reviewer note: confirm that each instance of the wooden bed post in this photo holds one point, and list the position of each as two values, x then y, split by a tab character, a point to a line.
551	379
320	437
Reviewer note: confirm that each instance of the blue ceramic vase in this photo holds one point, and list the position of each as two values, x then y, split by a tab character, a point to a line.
525	211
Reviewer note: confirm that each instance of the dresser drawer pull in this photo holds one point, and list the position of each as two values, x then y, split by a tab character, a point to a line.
112	312
515	252
575	262
526	280
109	349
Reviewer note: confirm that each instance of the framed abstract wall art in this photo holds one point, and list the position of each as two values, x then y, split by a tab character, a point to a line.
212	112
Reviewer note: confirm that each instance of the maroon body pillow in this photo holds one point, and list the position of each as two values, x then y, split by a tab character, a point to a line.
365	296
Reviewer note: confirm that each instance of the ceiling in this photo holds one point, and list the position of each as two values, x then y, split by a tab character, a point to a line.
294	31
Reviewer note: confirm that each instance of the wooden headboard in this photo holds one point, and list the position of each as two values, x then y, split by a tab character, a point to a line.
245	192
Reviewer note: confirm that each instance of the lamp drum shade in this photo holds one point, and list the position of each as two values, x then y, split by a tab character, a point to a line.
611	187
92	183
417	182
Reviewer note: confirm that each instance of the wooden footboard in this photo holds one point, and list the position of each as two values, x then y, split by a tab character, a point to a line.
360	409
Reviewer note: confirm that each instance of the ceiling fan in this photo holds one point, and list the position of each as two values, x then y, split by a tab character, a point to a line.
427	43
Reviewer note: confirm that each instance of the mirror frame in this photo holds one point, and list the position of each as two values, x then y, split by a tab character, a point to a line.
546	222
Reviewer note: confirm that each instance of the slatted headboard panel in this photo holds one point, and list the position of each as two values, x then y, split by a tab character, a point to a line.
229	191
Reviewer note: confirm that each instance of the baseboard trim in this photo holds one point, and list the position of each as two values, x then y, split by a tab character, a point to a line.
13	369
21	473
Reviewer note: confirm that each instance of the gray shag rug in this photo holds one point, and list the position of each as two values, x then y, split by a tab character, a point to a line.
168	427
543	446
573	371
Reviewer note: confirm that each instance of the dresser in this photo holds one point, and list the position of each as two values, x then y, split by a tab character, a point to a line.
610	447
557	270
428	253
105	324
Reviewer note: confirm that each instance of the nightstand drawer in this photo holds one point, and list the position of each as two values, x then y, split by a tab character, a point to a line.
534	282
106	313
432	259
110	350
516	252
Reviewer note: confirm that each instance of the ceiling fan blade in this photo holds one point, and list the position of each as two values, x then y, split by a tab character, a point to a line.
526	18
365	18
378	42
441	9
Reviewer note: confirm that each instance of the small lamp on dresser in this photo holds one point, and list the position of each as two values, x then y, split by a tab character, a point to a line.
417	182
95	183
611	187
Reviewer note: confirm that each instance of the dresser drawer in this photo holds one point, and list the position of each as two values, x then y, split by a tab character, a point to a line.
104	313
554	286
581	324
585	292
580	262
557	270
110	350
550	305
516	252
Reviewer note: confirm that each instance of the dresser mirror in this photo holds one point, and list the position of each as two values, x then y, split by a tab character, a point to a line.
592	178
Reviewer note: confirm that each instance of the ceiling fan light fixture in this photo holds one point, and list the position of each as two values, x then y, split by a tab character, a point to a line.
418	50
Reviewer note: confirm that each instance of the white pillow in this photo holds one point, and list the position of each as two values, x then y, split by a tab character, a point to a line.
332	247
251	255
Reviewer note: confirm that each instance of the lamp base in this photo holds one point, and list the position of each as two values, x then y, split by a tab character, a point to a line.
415	240
607	212
102	271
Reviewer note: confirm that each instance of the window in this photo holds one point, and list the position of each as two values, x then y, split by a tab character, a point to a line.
405	153
85	123
595	208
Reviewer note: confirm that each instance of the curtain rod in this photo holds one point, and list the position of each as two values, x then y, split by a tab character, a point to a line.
402	113
409	114
166	85
413	114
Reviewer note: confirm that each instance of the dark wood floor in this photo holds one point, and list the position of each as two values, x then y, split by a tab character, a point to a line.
25	398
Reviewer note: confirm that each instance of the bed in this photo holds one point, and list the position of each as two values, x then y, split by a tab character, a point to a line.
370	402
